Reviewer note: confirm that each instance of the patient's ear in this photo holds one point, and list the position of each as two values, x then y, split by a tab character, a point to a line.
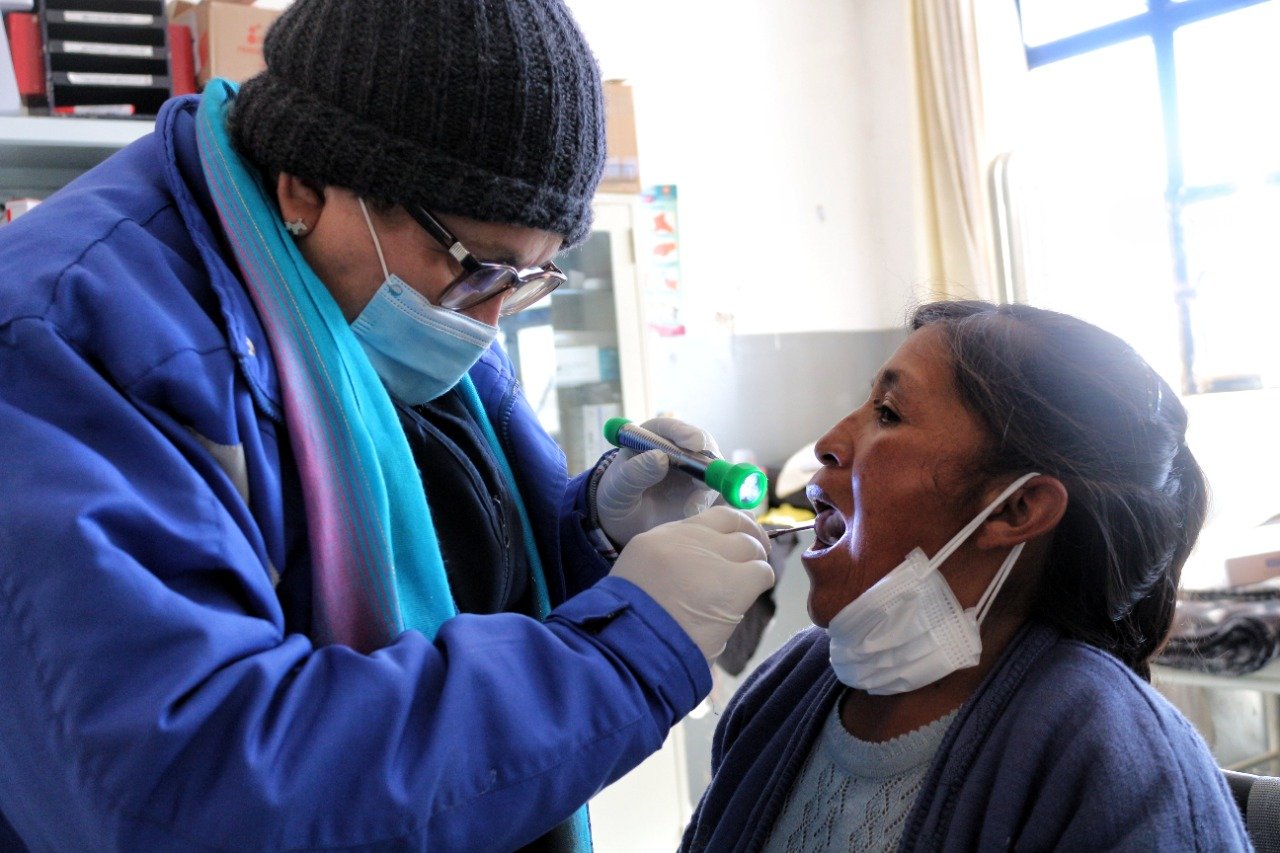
1031	511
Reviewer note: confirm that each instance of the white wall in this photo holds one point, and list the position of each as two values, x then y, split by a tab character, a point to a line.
786	126
1233	437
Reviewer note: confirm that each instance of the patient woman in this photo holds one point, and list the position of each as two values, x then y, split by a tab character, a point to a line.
1000	532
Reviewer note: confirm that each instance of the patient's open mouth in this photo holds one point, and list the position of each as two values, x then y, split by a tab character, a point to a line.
829	526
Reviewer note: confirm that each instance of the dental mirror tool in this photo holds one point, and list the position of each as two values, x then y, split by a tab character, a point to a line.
743	485
775	533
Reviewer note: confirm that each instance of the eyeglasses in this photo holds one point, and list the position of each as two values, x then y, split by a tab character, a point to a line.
481	281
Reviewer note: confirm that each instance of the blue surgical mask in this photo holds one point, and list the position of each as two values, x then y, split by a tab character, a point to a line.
418	349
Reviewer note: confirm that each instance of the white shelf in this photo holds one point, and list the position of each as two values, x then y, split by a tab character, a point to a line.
38	154
1265	680
71	131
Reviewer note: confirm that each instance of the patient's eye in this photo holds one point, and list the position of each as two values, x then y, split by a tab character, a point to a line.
885	413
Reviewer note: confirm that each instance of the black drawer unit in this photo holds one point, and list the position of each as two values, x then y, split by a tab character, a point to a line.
105	54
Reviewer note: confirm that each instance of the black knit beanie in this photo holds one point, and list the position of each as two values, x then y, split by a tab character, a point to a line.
489	109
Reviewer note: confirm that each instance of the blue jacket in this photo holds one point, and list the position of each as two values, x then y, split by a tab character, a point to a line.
152	696
1062	747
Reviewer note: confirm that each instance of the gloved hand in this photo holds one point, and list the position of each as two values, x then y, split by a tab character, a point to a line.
705	571
639	490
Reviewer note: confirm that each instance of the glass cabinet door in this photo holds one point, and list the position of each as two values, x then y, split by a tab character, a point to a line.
578	353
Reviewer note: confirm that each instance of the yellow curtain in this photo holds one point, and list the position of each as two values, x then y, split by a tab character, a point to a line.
970	66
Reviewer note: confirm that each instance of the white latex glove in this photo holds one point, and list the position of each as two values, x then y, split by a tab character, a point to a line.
705	571
639	490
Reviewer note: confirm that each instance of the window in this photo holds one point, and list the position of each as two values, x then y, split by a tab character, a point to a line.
1153	157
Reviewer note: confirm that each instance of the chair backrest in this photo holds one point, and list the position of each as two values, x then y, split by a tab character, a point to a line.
1259	800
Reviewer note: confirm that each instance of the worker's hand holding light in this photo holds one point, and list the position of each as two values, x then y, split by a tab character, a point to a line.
639	491
705	571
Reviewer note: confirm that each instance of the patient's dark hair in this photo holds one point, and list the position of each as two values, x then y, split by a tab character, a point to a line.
1065	398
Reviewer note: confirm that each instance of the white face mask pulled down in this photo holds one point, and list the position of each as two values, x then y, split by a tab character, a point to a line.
908	629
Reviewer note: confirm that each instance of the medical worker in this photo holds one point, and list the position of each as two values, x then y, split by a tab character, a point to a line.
286	560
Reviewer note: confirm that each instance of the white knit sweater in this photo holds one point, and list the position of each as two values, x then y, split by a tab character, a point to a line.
853	794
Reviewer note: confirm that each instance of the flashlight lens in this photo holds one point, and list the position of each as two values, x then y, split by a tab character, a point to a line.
751	490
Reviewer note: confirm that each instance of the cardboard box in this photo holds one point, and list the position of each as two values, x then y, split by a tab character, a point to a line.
622	158
228	36
1254	555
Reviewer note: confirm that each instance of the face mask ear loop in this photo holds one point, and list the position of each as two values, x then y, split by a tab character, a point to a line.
984	603
959	539
376	244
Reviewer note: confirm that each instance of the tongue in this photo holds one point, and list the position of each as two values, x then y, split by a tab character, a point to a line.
830	527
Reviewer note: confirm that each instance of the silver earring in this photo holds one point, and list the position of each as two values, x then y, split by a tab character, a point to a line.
296	227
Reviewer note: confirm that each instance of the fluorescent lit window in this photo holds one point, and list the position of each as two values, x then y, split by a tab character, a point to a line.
1153	168
1228	78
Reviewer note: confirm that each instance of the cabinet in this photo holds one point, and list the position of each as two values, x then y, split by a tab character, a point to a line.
579	353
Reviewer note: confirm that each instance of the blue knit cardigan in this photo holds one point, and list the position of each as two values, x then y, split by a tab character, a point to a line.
1062	747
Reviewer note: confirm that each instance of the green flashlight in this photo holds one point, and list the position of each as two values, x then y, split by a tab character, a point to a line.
743	485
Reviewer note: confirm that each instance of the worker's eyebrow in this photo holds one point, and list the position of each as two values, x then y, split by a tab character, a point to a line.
495	253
